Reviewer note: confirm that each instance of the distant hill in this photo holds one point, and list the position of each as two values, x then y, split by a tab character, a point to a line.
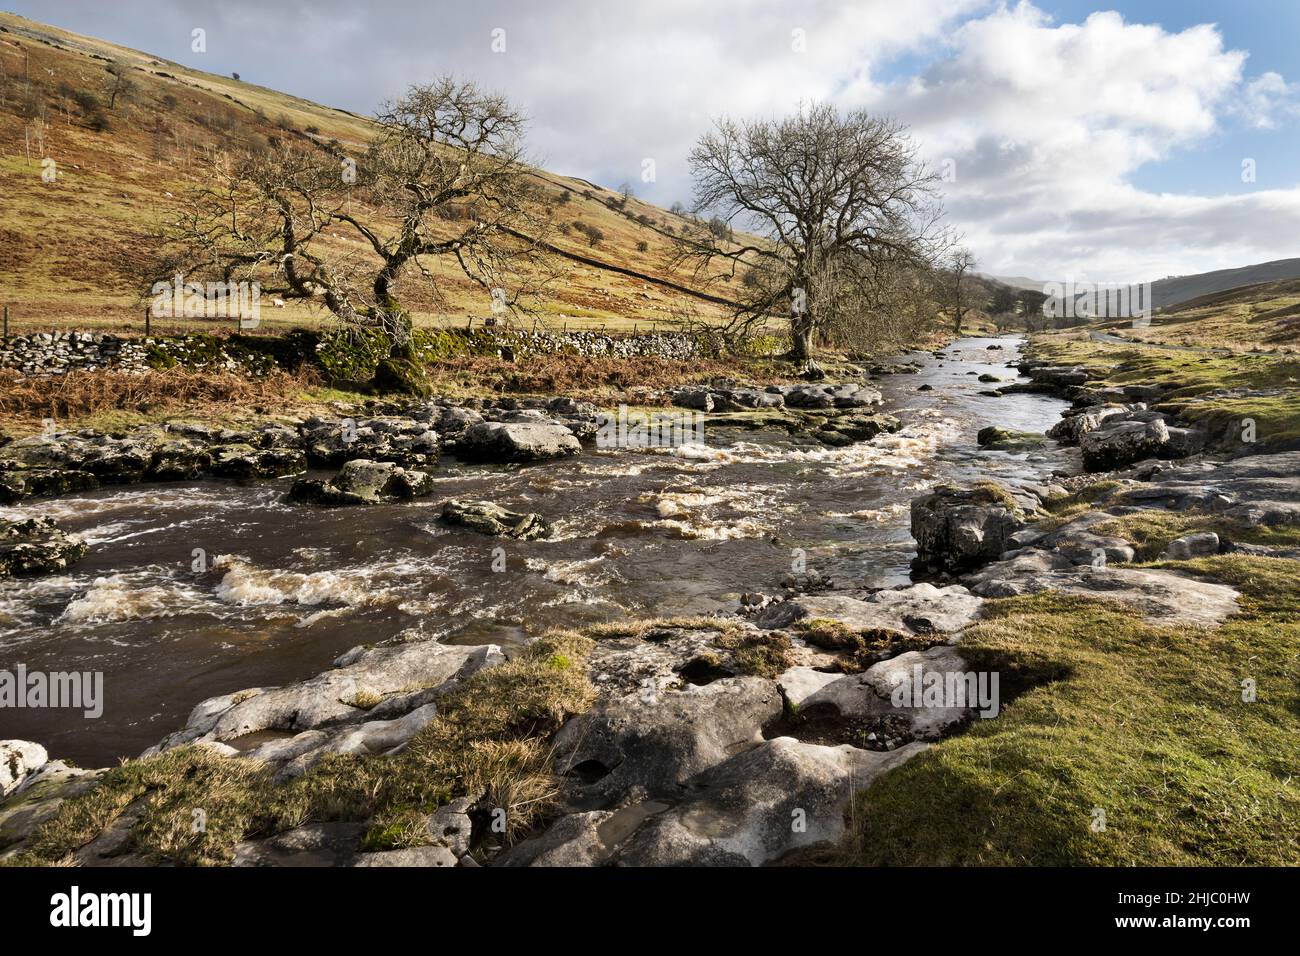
1176	289
1172	291
1019	282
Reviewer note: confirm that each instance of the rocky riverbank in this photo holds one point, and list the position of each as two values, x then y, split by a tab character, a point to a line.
742	739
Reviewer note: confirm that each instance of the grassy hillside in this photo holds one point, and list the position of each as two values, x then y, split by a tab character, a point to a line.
1263	317
71	251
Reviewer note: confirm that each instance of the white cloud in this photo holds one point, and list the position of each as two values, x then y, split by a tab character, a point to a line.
1269	99
1048	123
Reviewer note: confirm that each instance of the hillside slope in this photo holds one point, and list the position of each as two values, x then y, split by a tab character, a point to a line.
72	251
1264	318
1176	290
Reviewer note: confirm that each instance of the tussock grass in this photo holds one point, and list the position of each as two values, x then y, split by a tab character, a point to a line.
1145	723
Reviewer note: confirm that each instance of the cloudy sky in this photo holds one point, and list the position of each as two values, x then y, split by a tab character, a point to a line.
1115	141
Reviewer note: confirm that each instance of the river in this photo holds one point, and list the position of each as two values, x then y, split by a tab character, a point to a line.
282	589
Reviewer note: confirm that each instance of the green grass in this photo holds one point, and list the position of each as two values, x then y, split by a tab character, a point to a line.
1145	723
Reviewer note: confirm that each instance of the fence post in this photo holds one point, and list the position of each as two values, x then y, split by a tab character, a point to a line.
6	321
148	313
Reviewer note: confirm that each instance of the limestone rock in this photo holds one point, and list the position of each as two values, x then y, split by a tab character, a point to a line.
956	529
18	760
517	442
362	482
488	518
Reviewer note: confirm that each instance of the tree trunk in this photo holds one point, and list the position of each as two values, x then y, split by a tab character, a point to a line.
801	338
390	315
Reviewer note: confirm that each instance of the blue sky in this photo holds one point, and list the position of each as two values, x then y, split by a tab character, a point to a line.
1090	140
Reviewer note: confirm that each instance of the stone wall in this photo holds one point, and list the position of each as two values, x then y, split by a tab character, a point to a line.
340	353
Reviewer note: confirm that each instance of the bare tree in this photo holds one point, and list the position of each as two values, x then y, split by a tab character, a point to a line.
445	178
450	152
831	203
961	263
120	85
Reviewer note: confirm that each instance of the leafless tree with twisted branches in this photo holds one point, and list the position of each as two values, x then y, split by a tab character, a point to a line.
446	176
828	209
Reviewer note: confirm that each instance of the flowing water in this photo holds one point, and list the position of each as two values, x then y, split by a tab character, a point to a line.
283	589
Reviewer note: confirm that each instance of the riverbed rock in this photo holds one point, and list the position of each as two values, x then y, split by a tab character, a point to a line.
1161	597
849	395
178	459
244	462
849	429
996	438
1080	422
870	693
361	676
507	442
37	546
363	482
1118	444
408	442
962	528
639	746
298	755
918	609
486	517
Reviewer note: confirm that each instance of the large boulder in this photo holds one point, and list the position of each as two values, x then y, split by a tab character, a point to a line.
647	745
517	442
1123	443
958	529
1069	430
